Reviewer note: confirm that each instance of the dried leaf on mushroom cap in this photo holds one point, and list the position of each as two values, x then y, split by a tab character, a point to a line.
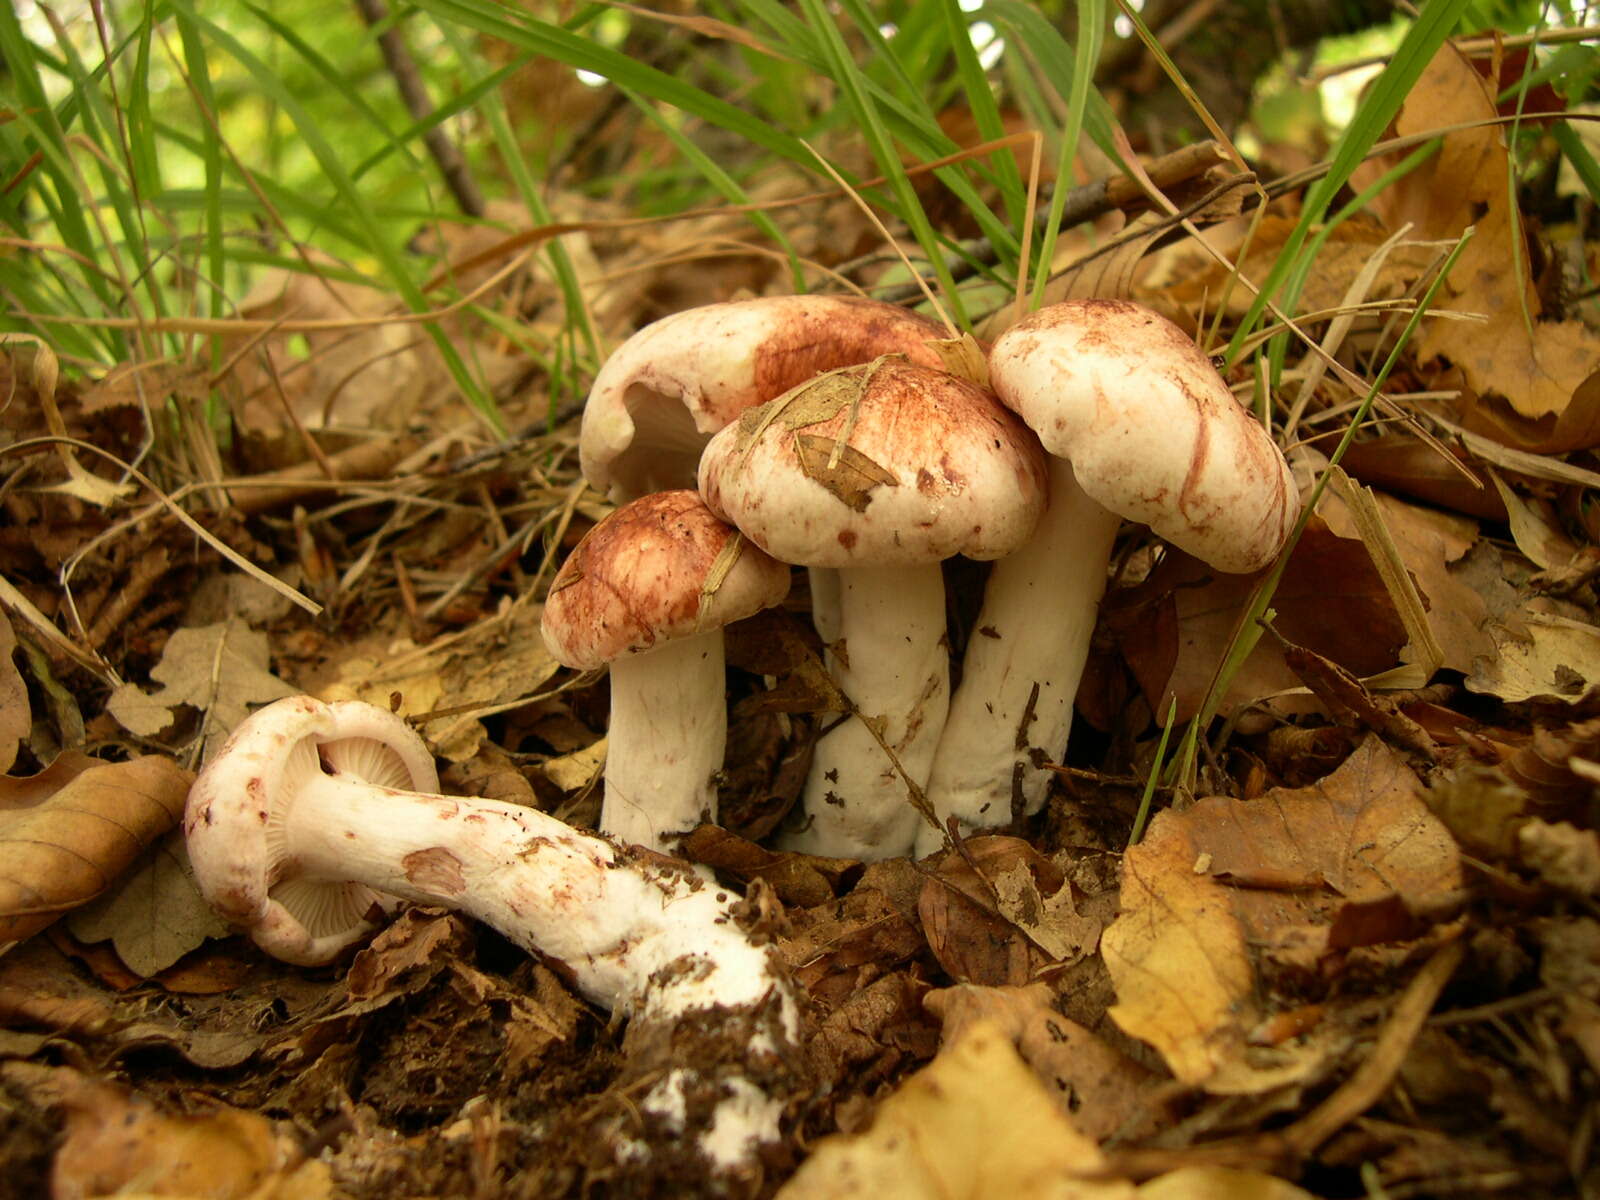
885	463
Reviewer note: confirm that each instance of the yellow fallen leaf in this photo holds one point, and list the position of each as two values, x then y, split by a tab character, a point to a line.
15	714
1226	882
118	1143
975	1123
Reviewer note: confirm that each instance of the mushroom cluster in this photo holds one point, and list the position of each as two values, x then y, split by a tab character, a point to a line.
828	434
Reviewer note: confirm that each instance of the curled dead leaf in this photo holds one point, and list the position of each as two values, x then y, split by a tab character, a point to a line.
66	846
1214	893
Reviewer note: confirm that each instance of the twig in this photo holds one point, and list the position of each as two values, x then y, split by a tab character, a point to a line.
408	80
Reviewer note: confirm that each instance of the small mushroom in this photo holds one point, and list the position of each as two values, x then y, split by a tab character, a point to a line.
648	591
1139	425
881	471
306	814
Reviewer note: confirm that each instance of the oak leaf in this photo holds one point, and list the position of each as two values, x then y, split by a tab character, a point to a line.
69	832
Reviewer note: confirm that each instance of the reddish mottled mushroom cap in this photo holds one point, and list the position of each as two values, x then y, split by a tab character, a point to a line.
673	384
660	568
886	463
1152	431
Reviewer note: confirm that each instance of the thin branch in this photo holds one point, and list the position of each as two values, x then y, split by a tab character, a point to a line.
408	79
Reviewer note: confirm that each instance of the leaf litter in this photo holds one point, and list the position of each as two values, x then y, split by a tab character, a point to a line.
1356	944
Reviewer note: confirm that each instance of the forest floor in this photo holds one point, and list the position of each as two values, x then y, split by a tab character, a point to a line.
1355	952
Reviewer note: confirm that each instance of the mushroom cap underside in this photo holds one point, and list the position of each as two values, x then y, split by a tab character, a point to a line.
234	822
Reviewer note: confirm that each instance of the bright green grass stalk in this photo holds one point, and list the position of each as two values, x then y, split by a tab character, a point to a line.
1091	28
397	271
1248	631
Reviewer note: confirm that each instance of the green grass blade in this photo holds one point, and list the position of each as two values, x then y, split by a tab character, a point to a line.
1383	100
1091	25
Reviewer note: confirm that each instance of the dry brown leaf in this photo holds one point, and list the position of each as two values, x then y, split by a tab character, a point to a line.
1213	890
219	669
798	880
1431	543
118	1143
1175	627
370	376
1399	463
974	1123
63	849
1545	655
154	916
503	662
1187	277
1364	832
1104	1091
974	940
1536	365
16	717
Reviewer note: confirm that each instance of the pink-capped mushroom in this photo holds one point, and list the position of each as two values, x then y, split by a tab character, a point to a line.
881	471
1138	424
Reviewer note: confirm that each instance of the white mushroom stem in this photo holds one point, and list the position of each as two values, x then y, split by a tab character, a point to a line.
668	732
1013	709
891	658
657	944
824	586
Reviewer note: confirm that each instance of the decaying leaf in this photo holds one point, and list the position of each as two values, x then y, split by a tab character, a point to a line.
1548	656
15	714
1105	1091
118	1143
219	669
813	402
1212	893
1535	364
153	917
970	935
65	840
1174	628
847	474
508	660
974	1123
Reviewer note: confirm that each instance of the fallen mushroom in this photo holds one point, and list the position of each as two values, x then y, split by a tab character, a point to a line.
668	388
648	591
1139	425
307	813
880	470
